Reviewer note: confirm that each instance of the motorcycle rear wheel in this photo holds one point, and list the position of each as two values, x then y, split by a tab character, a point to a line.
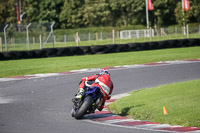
87	104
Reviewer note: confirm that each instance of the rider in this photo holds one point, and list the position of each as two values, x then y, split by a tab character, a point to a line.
101	80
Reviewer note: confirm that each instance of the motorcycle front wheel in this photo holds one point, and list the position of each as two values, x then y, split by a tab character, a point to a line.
72	112
87	104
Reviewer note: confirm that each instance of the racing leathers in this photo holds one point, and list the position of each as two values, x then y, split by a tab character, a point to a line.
105	84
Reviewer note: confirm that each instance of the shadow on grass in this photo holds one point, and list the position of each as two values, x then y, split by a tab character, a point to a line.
126	110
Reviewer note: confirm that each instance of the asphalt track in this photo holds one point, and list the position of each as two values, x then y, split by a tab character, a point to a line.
43	105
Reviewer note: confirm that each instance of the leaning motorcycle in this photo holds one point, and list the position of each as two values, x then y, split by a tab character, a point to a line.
91	99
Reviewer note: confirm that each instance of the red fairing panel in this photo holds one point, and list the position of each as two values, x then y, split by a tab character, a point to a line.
104	82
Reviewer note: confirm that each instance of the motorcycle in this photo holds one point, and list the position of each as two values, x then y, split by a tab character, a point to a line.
91	99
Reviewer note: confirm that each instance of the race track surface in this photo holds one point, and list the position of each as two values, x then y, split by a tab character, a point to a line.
43	105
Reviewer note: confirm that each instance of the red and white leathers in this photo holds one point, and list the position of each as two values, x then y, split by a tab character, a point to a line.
104	82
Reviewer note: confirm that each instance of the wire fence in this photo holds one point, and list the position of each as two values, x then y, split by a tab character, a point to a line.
15	37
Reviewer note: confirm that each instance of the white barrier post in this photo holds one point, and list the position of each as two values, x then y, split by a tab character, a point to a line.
40	41
27	36
77	39
5	37
187	31
65	39
89	37
33	40
52	32
1	47
97	38
51	35
113	34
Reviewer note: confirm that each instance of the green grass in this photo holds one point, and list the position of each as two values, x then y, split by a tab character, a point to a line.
180	99
61	64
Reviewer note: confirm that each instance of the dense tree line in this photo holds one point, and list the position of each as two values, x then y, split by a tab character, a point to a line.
84	13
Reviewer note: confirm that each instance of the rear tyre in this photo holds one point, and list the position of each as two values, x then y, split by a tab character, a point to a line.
87	104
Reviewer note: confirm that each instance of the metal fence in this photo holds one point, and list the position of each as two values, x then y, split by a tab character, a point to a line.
31	36
128	34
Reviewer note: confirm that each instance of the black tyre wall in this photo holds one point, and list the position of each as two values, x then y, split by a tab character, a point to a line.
86	49
98	49
111	48
2	57
50	52
63	52
123	48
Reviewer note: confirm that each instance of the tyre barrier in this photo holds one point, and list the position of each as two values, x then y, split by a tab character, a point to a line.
98	49
86	49
63	52
111	48
134	46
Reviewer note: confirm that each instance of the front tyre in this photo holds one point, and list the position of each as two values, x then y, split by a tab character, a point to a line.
87	104
72	112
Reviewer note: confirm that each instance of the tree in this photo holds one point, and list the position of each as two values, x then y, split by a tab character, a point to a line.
97	13
137	11
128	12
184	17
164	12
71	15
84	13
8	11
196	6
45	10
33	10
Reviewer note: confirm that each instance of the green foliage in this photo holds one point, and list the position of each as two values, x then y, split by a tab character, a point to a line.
164	12
84	13
45	10
196	9
97	13
7	11
183	16
127	13
71	14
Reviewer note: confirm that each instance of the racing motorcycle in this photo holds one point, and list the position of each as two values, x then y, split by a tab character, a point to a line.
91	99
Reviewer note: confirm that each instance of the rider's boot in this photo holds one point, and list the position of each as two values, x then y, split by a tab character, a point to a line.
100	108
80	93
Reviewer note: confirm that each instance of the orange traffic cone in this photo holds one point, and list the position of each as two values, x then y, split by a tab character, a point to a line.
165	110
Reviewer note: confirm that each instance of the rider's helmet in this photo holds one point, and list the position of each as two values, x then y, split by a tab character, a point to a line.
104	71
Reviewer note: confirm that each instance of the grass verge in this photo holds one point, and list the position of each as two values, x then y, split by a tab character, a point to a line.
61	64
180	99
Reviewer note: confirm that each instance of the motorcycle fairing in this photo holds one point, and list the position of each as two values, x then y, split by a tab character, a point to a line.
94	91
